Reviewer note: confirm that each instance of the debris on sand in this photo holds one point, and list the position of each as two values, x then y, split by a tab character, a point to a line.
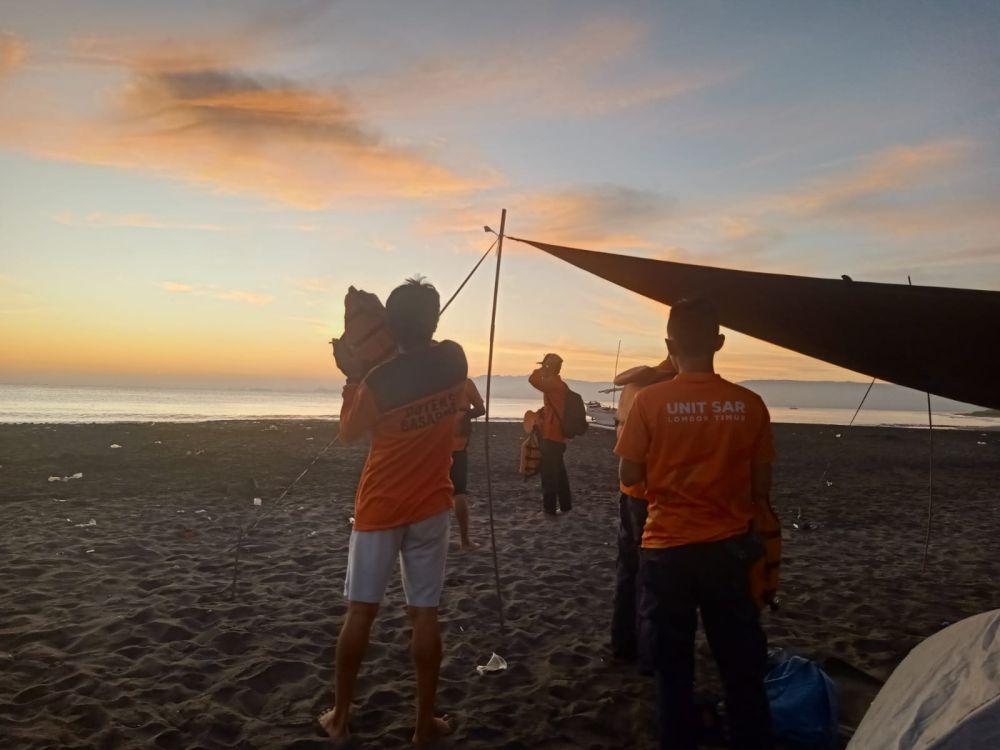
114	445
78	475
91	522
496	664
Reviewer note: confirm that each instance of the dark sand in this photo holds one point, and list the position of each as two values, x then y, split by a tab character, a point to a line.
123	634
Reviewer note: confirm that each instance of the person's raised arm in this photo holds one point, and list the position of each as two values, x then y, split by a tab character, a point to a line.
543	380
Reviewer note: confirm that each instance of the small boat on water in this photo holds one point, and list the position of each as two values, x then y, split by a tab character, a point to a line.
601	415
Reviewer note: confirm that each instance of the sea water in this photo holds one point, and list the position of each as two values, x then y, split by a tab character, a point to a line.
23	403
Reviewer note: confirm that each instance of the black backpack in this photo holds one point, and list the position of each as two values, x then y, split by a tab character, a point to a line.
574	421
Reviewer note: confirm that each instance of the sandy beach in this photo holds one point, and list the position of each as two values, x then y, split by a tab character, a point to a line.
120	629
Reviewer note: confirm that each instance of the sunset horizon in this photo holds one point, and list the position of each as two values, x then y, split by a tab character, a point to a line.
187	203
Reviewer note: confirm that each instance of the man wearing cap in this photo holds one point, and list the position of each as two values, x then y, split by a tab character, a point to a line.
555	481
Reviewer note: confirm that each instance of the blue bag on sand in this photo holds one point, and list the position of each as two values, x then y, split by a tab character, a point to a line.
803	702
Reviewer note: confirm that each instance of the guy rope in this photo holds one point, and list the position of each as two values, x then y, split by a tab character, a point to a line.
262	512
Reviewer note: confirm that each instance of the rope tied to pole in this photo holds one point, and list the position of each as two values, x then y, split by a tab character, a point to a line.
262	511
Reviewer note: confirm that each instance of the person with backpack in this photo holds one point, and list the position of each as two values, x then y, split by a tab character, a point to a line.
563	416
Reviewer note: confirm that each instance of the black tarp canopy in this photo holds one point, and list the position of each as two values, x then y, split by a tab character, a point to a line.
937	339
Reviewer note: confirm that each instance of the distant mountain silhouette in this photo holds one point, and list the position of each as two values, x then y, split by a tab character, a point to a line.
806	394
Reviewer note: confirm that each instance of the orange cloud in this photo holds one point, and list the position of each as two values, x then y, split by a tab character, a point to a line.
595	216
210	290
578	73
236	133
894	170
13	52
98	220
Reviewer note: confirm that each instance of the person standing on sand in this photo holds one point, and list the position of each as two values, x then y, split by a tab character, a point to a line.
472	408
409	405
555	480
704	448
632	513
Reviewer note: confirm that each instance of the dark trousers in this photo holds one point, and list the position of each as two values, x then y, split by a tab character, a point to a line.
675	584
555	481
625	616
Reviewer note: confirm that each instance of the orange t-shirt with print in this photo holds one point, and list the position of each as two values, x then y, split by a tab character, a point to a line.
409	405
698	436
554	391
470	399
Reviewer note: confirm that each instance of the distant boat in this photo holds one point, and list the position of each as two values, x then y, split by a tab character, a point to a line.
601	415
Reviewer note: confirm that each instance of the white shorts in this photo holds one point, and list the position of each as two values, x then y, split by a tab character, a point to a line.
422	549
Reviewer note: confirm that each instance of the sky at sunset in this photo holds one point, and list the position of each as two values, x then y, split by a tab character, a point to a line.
188	188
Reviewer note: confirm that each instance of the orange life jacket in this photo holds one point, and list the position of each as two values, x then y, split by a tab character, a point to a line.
531	447
365	330
764	573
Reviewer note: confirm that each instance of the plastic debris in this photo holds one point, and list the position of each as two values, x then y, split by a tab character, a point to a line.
201	511
496	664
91	550
258	501
351	520
114	445
78	475
313	533
829	483
980	442
837	435
157	442
91	522
58	500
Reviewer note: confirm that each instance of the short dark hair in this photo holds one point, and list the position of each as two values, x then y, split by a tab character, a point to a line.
412	312
694	325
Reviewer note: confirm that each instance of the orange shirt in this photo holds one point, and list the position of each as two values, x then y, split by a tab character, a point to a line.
410	407
554	390
470	400
698	436
631	387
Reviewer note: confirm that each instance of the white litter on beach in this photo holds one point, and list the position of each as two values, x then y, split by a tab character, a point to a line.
57	500
91	550
351	520
114	445
157	442
980	442
829	483
258	501
91	522
78	475
201	511
837	435
496	664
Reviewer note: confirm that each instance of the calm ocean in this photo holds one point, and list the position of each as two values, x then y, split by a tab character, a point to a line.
20	403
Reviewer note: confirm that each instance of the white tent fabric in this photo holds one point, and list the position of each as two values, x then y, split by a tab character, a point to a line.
945	695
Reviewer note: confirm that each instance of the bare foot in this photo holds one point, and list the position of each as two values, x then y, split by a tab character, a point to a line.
437	729
335	727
